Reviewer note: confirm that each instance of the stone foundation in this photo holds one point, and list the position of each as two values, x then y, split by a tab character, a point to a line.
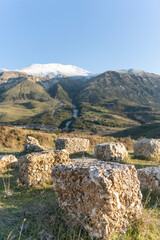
110	151
72	145
148	148
35	168
8	161
103	197
149	178
32	145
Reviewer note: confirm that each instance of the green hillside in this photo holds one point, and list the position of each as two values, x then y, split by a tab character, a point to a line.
150	130
59	93
72	86
26	90
108	103
24	101
118	100
138	89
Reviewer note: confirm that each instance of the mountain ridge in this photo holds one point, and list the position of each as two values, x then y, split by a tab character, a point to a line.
111	100
52	70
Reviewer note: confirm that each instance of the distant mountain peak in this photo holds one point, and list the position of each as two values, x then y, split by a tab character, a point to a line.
132	71
52	70
3	70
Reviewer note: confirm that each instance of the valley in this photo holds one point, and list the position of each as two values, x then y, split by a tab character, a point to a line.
106	103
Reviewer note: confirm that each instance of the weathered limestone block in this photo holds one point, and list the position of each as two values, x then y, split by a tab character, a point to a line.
8	161
148	148
32	145
104	197
72	145
110	151
149	178
35	168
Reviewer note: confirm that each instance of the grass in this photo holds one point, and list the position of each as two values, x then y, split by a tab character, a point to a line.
25	100
19	111
34	214
13	139
150	130
148	227
38	207
28	102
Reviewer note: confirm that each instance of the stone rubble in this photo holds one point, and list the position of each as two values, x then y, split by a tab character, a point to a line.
72	145
149	178
32	145
35	168
110	151
148	148
8	161
103	197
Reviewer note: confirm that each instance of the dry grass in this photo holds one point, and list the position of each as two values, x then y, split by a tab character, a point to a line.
13	139
147	228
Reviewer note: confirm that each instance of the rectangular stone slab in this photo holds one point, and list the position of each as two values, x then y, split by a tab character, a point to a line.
72	145
104	197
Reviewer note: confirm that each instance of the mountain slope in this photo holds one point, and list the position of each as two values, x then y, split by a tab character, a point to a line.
25	101
26	90
108	102
71	86
143	90
58	93
118	100
133	71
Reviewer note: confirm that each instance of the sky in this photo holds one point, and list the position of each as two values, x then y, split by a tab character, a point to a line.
97	35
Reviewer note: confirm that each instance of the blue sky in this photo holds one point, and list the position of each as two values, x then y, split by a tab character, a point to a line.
96	35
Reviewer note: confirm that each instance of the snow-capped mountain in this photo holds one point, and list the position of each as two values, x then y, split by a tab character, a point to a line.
3	70
133	71
54	70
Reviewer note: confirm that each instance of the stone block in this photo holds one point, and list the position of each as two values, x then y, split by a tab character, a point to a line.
103	197
148	148
110	151
32	145
8	161
72	145
35	168
149	178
